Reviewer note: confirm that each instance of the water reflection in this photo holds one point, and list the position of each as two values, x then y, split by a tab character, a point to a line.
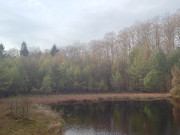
122	118
176	115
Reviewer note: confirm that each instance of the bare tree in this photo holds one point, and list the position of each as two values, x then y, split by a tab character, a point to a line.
13	53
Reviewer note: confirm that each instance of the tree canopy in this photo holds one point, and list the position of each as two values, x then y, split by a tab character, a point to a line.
2	51
24	50
137	59
54	50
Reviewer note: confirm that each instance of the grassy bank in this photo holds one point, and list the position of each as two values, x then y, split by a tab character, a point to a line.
41	120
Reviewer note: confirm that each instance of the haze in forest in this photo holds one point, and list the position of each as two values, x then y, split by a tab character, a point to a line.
43	22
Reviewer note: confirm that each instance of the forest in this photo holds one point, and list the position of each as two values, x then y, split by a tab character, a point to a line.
144	57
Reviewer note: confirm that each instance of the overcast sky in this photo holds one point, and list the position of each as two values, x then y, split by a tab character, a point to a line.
45	22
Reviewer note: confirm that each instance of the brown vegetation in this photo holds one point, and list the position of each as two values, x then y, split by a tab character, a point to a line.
176	81
85	98
36	120
41	120
136	59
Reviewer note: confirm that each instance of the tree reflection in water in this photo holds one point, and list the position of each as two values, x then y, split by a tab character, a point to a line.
123	117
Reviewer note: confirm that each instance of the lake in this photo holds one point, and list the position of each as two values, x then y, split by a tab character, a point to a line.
121	118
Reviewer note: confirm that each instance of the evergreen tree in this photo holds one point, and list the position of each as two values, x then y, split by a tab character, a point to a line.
1	49
54	50
24	51
158	70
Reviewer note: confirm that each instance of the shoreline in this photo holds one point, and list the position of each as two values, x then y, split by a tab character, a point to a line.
40	119
90	98
43	120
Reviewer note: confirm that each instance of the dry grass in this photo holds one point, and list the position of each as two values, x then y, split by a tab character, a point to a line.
41	121
73	98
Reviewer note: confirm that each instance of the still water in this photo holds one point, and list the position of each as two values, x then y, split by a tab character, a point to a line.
121	118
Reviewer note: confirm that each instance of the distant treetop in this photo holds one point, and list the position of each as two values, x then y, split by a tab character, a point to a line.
24	51
54	50
1	49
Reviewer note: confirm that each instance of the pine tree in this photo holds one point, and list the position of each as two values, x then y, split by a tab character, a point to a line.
1	49
24	51
158	70
54	50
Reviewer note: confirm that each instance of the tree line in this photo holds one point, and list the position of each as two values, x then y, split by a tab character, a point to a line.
139	58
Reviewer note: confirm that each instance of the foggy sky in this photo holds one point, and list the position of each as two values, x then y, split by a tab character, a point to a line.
45	22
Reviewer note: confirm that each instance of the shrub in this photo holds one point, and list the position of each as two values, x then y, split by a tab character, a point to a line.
176	81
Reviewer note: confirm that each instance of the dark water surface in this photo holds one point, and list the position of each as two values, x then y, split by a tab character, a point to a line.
121	118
